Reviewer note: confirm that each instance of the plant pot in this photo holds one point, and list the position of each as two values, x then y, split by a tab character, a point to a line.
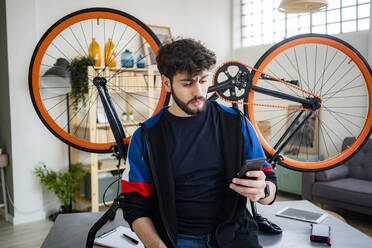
124	117
131	118
63	210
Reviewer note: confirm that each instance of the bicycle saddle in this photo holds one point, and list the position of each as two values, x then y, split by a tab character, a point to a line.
264	225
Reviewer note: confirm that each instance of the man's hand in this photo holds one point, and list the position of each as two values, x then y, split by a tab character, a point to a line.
253	189
145	230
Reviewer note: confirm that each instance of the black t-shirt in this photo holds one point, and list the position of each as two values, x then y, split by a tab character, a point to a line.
195	153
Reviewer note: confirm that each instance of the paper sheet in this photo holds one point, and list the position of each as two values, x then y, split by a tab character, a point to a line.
114	238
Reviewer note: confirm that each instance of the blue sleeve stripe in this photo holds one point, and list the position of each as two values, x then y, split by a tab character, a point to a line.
137	169
253	150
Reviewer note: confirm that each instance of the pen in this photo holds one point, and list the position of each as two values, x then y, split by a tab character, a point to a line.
135	241
107	233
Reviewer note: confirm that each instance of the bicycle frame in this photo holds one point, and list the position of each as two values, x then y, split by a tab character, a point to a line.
310	103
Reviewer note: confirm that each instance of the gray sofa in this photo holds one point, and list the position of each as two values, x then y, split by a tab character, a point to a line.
348	186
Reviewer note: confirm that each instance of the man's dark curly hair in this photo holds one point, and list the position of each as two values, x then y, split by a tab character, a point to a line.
184	55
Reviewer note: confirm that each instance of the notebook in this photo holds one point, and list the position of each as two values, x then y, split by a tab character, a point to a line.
115	238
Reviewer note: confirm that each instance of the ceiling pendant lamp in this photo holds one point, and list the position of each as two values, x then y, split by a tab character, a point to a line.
302	6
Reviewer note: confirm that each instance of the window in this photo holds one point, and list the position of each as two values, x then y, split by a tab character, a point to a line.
262	23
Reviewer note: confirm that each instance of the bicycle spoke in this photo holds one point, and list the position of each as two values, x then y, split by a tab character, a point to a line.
324	69
132	106
52	97
342	124
64	99
288	87
86	114
70	45
69	59
322	76
316	54
297	68
343	87
51	56
79	42
334	73
347	120
287	74
307	68
82	105
85	39
354	87
337	81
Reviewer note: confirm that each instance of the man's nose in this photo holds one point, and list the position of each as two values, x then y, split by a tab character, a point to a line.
197	90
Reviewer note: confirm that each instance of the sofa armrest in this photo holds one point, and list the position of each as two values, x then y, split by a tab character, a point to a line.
339	172
308	179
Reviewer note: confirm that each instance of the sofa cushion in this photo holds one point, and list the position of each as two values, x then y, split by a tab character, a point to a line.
339	172
360	165
351	190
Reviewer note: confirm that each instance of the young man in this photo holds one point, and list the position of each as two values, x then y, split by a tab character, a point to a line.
180	187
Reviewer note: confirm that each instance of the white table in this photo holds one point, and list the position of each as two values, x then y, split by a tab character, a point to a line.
71	230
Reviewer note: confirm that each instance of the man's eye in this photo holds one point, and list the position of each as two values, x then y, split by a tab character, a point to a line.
203	81
187	85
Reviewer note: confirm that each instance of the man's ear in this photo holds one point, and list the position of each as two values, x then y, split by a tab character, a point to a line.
166	82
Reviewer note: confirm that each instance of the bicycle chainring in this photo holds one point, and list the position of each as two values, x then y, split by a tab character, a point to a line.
237	78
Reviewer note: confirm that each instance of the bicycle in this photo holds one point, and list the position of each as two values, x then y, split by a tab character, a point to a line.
296	70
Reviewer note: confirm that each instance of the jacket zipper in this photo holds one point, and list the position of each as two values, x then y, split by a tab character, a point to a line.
156	182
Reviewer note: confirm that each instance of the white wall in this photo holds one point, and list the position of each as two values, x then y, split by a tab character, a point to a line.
27	20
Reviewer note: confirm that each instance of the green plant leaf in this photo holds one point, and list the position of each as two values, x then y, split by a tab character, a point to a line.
62	184
78	69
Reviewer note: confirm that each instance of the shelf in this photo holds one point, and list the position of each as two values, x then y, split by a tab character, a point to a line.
87	168
88	202
106	125
84	200
108	203
133	69
125	123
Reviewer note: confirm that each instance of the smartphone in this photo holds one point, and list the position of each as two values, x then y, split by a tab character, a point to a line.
321	233
249	165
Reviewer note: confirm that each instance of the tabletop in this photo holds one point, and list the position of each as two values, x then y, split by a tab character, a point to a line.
71	230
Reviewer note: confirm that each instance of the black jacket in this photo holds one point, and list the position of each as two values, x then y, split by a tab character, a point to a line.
236	226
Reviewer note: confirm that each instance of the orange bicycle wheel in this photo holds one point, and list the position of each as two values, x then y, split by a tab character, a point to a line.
326	67
89	43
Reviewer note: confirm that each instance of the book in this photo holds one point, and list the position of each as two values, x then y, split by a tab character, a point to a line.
119	237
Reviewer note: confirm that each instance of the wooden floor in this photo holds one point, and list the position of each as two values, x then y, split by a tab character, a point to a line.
29	235
32	235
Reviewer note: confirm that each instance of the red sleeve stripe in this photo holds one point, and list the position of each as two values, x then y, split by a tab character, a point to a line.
145	189
268	168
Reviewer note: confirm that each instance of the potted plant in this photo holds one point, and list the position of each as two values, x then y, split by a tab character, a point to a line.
63	184
124	116
1	150
78	69
130	114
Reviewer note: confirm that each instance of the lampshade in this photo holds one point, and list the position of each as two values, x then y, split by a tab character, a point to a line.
56	80
302	6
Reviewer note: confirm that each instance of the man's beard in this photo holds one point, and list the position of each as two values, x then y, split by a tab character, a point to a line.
184	106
